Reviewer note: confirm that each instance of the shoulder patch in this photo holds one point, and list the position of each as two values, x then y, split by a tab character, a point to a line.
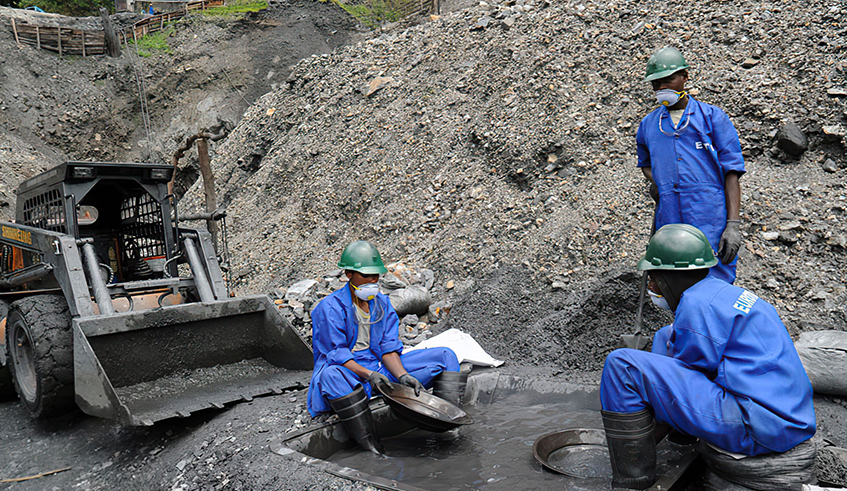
745	301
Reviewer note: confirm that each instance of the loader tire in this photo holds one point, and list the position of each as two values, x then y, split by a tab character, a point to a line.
39	341
7	387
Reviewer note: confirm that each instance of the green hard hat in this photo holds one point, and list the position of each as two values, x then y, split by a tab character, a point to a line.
363	257
678	246
664	63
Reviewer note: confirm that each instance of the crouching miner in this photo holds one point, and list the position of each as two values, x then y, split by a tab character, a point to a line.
355	342
725	371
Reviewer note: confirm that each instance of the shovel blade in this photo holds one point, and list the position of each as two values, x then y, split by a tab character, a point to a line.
634	341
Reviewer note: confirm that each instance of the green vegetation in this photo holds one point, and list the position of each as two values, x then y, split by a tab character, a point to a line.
373	13
236	8
75	8
154	43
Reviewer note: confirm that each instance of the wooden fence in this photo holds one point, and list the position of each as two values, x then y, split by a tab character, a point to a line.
376	11
87	42
157	22
62	40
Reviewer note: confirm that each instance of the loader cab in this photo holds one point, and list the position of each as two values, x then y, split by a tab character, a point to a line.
123	207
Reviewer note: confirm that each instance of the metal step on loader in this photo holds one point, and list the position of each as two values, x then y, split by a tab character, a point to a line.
108	302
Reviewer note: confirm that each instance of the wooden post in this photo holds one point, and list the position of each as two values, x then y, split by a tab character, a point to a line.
83	43
113	44
38	36
59	37
208	186
15	29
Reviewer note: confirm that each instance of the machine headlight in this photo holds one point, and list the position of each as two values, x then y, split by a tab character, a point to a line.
160	174
83	172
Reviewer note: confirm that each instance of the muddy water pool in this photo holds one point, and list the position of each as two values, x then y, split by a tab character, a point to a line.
494	453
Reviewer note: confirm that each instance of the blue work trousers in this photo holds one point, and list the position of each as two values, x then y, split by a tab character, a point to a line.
424	364
679	395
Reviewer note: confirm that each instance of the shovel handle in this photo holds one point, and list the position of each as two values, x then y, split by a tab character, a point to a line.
639	314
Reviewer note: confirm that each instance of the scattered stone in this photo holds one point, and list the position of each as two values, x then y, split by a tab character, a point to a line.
772	284
830	166
792	225
792	140
482	23
377	84
409	320
837	92
839	240
301	290
770	235
750	63
450	284
834	133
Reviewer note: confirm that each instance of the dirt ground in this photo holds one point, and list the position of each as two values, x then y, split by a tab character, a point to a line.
500	155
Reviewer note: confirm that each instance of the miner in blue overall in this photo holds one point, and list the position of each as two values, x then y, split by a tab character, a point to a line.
355	343
725	371
690	153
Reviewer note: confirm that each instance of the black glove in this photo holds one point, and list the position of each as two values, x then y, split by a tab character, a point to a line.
654	192
377	379
730	241
412	382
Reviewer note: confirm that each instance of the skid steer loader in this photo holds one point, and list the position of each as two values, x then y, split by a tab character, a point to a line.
107	302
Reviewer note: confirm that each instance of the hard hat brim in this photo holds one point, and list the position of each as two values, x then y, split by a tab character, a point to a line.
365	269
663	74
645	265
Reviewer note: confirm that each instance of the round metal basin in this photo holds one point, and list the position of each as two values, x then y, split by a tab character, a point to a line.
577	452
427	411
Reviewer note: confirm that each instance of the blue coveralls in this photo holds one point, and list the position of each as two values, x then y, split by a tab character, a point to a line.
334	332
689	166
726	371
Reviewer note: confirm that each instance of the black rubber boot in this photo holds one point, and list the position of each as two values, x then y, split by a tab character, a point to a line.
632	448
450	386
355	415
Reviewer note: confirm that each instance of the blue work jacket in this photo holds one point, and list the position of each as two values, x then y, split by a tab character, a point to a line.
738	341
689	165
334	332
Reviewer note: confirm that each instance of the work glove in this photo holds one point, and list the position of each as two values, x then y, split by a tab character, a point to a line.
378	379
412	382
730	241
654	192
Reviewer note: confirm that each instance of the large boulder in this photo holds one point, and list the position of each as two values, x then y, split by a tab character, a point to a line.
791	140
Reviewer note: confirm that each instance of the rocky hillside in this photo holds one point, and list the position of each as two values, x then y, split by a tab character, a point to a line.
504	135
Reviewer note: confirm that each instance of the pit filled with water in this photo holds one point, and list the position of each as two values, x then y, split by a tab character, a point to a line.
495	453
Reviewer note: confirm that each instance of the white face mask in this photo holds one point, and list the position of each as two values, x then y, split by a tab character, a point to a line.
667	97
659	301
367	291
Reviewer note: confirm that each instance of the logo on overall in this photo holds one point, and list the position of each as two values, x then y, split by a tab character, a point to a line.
702	145
745	302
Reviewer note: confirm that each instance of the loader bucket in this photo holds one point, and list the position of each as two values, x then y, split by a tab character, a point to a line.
142	367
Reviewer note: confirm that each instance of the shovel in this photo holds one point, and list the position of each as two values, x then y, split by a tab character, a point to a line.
637	340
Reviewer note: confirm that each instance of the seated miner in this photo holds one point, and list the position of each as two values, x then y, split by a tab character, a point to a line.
355	342
725	371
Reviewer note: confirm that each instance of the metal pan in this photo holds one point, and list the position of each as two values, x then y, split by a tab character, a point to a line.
427	411
577	452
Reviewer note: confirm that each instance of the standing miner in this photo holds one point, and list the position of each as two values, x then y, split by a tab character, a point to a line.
726	370
690	153
355	342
